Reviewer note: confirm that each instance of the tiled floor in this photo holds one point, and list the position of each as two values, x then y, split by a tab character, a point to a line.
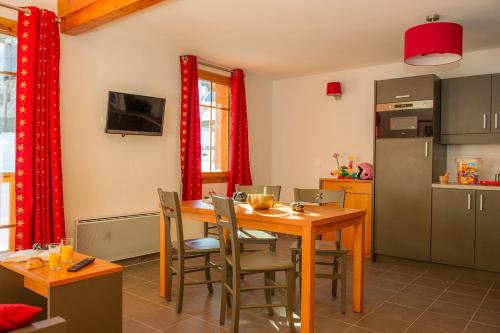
410	297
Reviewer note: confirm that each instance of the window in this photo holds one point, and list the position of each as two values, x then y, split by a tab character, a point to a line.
8	54
214	96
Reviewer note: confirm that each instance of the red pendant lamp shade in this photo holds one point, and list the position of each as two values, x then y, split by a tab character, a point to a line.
435	43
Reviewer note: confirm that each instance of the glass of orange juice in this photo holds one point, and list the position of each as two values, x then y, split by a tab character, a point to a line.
67	250
54	256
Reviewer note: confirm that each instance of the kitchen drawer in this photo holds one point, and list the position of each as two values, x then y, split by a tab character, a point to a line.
415	88
349	186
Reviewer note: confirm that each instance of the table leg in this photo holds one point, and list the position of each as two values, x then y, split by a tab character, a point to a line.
163	258
308	281
358	267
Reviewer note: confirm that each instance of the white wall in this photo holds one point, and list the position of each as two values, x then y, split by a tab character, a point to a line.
107	174
309	126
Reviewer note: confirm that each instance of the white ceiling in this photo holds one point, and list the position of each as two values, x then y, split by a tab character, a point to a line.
284	38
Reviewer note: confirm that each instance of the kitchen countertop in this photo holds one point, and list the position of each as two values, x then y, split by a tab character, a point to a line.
467	187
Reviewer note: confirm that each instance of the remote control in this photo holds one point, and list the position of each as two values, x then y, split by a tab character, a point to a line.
81	264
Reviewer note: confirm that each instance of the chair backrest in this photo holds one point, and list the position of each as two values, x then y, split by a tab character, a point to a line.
322	197
319	196
226	221
261	189
171	209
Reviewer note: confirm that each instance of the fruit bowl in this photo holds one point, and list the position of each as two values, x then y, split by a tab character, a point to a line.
260	201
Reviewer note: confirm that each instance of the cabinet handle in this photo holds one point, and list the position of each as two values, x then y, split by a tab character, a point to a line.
484	120
403	96
481	202
346	187
426	151
469	200
496	120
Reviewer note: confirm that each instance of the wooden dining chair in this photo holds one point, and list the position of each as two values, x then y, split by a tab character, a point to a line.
249	236
324	248
182	250
235	263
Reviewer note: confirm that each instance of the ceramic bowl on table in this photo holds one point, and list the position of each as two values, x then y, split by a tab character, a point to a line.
260	201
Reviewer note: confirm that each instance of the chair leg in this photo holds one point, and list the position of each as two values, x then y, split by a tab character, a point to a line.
294	291
272	247
334	281
343	281
290	277
235	309
300	283
223	297
180	289
208	276
205	229
168	287
267	292
229	280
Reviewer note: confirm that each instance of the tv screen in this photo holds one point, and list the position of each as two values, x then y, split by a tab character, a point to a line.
134	114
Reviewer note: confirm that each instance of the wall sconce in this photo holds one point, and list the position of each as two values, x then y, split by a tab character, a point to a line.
334	89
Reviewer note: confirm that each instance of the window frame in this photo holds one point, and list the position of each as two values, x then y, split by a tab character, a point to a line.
9	27
217	176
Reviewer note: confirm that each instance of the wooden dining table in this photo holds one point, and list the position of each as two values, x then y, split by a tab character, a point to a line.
315	220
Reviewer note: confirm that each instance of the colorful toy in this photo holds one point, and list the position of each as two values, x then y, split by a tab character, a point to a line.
365	171
468	170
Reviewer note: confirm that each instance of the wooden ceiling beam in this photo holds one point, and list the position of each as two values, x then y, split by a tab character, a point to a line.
78	16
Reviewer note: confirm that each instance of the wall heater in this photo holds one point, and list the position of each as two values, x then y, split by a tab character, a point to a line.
119	237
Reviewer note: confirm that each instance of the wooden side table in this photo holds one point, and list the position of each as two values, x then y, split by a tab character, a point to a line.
90	300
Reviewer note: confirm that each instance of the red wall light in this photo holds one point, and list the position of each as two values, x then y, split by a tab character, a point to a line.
435	43
333	89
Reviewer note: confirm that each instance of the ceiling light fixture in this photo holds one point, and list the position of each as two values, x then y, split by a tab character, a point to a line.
434	43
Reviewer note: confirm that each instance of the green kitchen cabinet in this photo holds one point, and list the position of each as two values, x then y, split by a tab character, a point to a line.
403	203
466	105
495	103
488	230
406	89
453	227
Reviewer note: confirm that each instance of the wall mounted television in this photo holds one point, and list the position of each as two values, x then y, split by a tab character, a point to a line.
130	114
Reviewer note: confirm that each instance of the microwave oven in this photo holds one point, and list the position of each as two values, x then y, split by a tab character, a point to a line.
405	120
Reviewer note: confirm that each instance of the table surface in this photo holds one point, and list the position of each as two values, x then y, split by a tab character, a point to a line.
313	216
53	278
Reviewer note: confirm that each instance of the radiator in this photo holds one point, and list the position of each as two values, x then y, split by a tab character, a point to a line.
119	237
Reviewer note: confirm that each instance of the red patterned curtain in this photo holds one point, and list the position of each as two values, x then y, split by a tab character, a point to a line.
239	168
190	130
39	192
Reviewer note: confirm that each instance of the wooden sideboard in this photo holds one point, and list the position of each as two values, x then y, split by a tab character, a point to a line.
358	195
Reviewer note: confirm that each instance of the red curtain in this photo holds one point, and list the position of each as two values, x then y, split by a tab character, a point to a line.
190	130
39	192
239	168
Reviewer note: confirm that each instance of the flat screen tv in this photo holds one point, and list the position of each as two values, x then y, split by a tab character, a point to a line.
134	114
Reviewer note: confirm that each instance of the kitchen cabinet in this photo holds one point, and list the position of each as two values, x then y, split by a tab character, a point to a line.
403	178
495	103
453	225
358	195
488	230
466	105
415	88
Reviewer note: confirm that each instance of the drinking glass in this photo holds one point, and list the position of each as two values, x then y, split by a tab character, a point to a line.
67	250
54	256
